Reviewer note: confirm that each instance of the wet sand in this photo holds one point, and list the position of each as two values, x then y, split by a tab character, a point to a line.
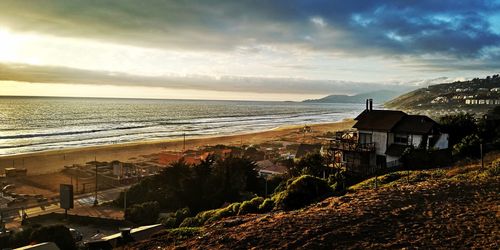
54	161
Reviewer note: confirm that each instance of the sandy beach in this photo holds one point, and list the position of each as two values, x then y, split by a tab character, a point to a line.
54	161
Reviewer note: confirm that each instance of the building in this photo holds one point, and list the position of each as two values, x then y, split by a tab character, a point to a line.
482	101
268	168
379	138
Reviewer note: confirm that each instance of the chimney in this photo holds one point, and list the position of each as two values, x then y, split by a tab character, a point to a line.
367	105
371	104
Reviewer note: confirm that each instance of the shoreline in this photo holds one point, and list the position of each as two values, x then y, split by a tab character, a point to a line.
54	160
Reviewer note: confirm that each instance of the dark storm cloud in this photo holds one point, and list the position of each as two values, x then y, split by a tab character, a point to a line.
457	28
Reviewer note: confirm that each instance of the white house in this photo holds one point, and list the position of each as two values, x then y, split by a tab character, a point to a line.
381	137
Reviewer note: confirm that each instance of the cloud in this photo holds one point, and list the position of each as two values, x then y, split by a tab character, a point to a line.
46	74
445	30
447	26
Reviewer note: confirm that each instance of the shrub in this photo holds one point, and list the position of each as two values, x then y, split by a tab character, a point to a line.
168	221
235	207
58	234
144	213
251	206
301	192
267	205
190	222
493	171
467	147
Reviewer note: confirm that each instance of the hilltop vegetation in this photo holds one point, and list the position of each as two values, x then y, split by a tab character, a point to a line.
379	96
449	97
451	208
415	206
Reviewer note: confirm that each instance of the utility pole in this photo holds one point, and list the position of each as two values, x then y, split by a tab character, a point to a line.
482	158
95	195
184	143
125	201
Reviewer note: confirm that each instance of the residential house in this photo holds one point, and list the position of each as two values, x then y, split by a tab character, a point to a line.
379	138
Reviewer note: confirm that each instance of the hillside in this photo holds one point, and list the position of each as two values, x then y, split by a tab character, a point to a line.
474	96
450	208
379	96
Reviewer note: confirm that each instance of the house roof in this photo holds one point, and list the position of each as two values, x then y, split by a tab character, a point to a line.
304	149
415	124
383	120
396	149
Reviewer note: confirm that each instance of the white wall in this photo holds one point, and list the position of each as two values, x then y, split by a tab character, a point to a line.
416	140
442	142
380	139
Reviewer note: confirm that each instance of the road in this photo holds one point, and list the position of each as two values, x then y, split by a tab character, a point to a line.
83	200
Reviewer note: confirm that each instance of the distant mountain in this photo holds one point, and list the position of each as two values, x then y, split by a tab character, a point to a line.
379	96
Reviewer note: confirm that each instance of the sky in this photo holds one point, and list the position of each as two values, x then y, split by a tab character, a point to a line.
242	50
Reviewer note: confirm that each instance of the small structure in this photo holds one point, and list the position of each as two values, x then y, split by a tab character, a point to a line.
267	168
15	172
440	99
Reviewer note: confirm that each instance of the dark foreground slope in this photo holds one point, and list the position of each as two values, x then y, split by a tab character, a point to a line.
456	208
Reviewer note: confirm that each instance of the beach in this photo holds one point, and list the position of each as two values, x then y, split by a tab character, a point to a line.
54	160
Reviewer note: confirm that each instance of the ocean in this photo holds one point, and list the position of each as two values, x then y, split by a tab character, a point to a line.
32	124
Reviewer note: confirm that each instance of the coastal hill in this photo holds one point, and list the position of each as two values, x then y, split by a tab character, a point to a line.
474	96
453	208
379	96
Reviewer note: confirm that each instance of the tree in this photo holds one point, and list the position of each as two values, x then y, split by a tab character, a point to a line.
312	164
458	126
468	147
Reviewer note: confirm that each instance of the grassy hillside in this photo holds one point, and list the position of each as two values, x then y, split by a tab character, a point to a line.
450	208
445	98
379	96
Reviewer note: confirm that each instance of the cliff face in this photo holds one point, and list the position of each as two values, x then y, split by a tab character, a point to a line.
454	208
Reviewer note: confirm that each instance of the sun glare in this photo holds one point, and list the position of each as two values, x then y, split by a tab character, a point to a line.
9	45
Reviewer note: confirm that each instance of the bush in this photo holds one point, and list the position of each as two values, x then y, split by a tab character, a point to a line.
16	239
168	221
267	205
190	222
301	192
493	171
171	220
251	206
58	234
144	213
467	147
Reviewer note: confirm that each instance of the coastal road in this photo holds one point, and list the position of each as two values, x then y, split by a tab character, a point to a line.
83	200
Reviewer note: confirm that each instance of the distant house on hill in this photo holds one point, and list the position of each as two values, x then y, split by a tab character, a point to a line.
379	138
305	149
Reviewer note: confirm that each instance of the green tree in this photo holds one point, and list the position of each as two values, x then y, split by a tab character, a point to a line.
458	126
312	164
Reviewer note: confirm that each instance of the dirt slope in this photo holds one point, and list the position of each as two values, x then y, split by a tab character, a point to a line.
459	210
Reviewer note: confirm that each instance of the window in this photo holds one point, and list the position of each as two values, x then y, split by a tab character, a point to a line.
401	139
365	138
